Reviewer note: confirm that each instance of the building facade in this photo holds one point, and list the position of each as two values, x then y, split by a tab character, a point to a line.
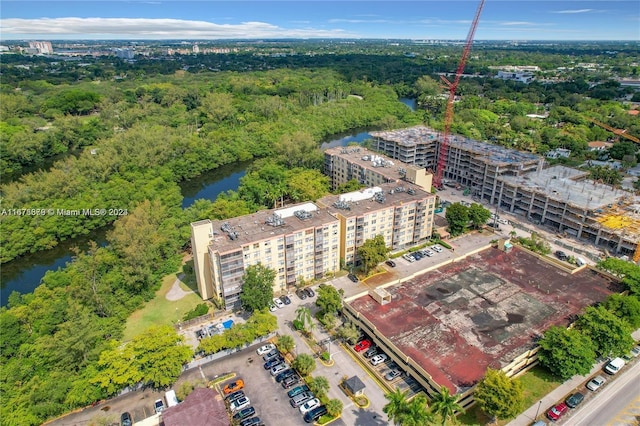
43	47
306	241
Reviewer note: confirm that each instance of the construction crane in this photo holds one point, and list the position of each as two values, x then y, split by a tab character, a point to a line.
619	132
451	87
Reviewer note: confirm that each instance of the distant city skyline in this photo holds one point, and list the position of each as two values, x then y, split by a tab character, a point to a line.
210	20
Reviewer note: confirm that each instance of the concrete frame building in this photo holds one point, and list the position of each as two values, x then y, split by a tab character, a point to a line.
306	240
43	47
343	164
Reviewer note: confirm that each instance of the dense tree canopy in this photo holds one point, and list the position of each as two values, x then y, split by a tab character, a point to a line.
257	287
458	217
499	396
610	335
566	352
372	252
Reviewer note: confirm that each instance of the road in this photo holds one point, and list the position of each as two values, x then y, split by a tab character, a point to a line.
617	404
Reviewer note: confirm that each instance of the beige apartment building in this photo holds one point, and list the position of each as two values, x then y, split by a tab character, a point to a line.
308	240
370	168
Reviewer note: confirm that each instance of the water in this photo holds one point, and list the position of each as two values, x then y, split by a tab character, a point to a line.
210	184
345	139
25	273
410	102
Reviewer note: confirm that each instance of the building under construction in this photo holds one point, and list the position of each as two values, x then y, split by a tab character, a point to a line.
564	199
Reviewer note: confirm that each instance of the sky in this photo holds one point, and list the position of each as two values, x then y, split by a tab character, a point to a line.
417	19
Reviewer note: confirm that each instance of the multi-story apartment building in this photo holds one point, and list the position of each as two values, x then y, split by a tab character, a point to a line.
343	164
564	199
306	240
43	47
403	215
469	162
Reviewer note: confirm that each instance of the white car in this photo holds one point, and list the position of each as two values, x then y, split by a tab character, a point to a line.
503	221
428	253
265	349
309	405
240	403
278	369
378	359
272	307
279	303
595	383
408	258
437	249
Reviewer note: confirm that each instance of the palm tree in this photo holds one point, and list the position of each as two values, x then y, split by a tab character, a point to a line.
303	314
397	406
445	404
417	413
286	343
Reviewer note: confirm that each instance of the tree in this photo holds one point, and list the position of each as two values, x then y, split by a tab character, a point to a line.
349	332
319	386
397	405
334	407
627	271
304	364
286	343
303	315
349	186
611	335
458	217
478	215
402	412
625	307
445	405
498	395
329	299
566	352
257	289
372	252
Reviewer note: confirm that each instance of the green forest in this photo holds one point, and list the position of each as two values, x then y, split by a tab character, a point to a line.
81	139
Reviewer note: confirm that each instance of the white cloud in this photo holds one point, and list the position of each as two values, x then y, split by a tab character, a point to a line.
144	28
574	11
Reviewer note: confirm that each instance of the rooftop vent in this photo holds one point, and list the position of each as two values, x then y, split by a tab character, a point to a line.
226	227
302	214
342	205
274	220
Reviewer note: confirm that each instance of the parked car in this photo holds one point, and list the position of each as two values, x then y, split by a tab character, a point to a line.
284	374
278	369
272	307
635	351
279	303
309	292
158	405
353	278
297	390
253	421
613	366
233	386
378	359
233	396
558	411
436	248
265	349
315	414
273	362
362	345
285	299
561	255
417	255
301	294
408	258
244	413
309	405
300	399
391	263
239	404
371	352
428	253
392	375
290	381
595	383
274	353
574	400
125	419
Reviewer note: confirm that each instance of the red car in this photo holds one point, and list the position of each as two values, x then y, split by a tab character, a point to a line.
362	345
556	412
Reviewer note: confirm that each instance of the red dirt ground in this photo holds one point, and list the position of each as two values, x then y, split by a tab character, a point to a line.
480	312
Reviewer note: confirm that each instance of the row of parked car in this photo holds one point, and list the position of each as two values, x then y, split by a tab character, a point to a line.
427	252
300	396
240	405
376	357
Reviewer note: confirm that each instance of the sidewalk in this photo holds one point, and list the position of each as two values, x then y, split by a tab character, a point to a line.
558	394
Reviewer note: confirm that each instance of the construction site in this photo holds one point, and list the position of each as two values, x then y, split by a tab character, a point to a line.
447	326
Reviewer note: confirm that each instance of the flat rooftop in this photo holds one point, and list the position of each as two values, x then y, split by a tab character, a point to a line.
565	184
363	201
372	160
493	154
257	226
481	312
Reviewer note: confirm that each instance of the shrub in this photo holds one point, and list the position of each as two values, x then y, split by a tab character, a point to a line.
201	309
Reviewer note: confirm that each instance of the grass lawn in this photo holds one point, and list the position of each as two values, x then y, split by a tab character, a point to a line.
161	311
536	382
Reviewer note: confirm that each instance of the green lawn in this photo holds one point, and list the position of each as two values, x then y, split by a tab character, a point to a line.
536	382
160	311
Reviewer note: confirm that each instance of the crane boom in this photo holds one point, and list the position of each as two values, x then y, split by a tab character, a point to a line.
618	132
451	87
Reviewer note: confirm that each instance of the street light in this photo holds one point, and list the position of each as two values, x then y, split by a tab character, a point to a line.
538	410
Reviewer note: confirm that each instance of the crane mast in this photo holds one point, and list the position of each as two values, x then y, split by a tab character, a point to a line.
451	87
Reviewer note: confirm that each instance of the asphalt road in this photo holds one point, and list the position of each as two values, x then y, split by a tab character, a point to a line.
617	404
